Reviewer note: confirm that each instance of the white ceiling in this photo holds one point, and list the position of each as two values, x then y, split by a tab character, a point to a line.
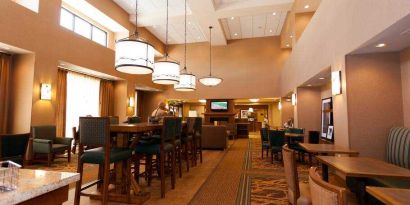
252	18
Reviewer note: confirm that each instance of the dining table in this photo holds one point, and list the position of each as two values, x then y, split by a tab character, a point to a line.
327	149
360	169
390	196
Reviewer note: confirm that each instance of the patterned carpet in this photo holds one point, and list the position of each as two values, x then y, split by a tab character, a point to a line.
263	182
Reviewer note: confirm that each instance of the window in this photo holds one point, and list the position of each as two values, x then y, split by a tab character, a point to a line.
82	27
83	98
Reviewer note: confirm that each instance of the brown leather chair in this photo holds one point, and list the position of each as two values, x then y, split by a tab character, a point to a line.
325	193
298	192
214	137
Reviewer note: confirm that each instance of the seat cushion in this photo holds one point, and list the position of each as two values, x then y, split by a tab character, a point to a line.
97	155
59	147
152	149
304	198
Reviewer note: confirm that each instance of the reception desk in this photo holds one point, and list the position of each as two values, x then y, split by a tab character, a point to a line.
40	187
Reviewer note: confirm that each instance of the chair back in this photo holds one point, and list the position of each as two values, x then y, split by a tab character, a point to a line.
12	145
198	126
47	132
178	127
190	122
94	131
276	138
324	193
314	137
133	120
264	134
114	120
76	134
291	174
398	147
169	129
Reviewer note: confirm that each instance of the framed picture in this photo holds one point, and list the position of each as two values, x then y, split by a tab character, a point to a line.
327	116
244	114
330	131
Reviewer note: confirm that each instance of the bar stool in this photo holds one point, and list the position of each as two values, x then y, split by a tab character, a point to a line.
188	141
197	137
95	132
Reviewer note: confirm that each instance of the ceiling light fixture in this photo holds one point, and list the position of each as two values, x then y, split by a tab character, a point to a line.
166	70
274	13
270	30
202	101
187	81
309	85
288	45
307	6
235	34
254	100
321	78
134	55
380	45
232	18
210	80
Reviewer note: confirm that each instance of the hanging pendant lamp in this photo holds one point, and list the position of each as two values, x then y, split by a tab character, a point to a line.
210	80
134	55
166	71
187	81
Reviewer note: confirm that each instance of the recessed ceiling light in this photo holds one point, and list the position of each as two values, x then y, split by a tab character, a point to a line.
235	34
270	30
232	18
274	13
307	6
291	36
199	37
380	45
254	100
288	100
189	22
321	78
202	101
288	45
309	85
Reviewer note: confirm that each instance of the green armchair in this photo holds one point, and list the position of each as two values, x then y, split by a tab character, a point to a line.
46	142
13	147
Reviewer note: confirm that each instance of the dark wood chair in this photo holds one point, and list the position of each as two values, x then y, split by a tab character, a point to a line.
197	137
164	148
13	147
276	141
95	132
265	141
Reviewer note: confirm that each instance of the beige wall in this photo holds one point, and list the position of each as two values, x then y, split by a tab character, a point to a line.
309	108
250	68
405	77
42	34
287	111
325	44
301	21
375	101
21	87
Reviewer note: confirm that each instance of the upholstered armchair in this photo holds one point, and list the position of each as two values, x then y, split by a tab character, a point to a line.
46	142
13	147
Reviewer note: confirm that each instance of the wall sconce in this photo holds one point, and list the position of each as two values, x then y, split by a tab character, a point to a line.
336	82
131	102
294	99
45	91
280	105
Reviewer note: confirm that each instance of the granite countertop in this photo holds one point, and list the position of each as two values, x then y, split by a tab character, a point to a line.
33	183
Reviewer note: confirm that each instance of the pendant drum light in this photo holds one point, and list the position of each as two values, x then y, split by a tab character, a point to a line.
134	55
187	81
166	71
210	80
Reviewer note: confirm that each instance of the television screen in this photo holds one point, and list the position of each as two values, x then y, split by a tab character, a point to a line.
219	105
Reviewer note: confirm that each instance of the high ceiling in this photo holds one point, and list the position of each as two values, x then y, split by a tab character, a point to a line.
231	19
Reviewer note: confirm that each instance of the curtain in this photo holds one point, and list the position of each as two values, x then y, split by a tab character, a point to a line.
106	98
61	102
83	99
5	69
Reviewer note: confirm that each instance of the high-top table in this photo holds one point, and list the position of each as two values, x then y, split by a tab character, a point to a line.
390	196
360	168
38	187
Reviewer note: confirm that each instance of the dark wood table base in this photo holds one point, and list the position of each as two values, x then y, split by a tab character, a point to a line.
58	196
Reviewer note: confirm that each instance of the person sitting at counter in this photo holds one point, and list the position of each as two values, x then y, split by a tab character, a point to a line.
159	113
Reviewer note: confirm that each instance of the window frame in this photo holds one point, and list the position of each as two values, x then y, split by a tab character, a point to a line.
92	27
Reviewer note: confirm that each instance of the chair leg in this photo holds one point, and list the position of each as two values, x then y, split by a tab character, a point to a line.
187	146
262	153
200	151
271	157
137	168
69	155
162	173
78	184
194	152
173	171
148	169
106	182
49	159
128	180
179	155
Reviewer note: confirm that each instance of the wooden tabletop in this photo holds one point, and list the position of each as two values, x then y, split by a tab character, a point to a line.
365	167
326	149
133	128
390	196
294	135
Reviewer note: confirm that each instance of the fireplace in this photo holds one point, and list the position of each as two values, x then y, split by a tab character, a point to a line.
218	119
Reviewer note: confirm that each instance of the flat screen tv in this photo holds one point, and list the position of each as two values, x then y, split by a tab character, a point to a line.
219	106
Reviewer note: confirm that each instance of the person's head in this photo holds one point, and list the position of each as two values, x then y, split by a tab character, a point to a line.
161	105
